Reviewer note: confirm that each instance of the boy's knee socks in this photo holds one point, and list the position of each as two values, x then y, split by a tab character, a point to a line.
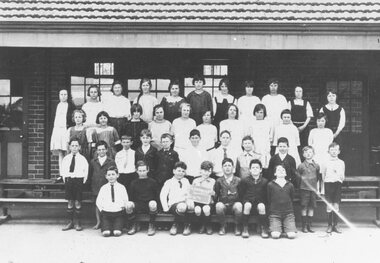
263	220
245	219
70	213
330	218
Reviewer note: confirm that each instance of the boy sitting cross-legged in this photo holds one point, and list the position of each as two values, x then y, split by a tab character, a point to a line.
173	198
252	191
143	194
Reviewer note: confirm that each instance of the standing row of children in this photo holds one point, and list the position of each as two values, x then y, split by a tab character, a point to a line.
189	150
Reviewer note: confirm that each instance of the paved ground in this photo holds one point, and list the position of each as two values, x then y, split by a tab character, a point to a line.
33	241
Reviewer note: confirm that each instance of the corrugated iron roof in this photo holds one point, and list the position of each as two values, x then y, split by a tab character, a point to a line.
264	11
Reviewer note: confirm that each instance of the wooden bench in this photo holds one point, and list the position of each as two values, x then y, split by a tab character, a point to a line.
357	183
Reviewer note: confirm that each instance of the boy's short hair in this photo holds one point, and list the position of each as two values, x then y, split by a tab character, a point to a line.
256	161
146	132
136	107
333	145
306	148
279	165
84	116
207	165
286	111
247	138
113	168
223	132
260	107
126	137
180	164
197	78
249	83
194	132
141	163
321	115
167	135
74	139
227	160
283	140
100	143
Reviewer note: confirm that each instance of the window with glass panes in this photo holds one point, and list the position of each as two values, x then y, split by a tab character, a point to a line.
11	105
212	73
103	77
159	88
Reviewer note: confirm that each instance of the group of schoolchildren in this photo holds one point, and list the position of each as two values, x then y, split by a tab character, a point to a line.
254	170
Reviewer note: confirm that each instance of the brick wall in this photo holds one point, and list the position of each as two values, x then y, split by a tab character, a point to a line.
36	114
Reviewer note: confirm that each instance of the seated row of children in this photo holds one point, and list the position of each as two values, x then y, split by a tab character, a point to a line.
229	193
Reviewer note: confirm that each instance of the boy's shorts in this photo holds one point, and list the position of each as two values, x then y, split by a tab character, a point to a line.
282	223
333	192
142	207
308	198
73	188
173	209
113	220
228	208
254	204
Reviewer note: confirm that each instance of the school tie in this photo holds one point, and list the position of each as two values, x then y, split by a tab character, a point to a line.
224	153
112	193
72	164
180	184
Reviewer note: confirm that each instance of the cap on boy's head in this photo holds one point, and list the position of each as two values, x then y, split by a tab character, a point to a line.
195	132
199	78
146	132
126	137
207	165
308	147
333	145
101	143
247	138
286	111
321	115
283	140
74	139
136	107
180	164
167	135
141	163
113	168
255	161
223	132
227	160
